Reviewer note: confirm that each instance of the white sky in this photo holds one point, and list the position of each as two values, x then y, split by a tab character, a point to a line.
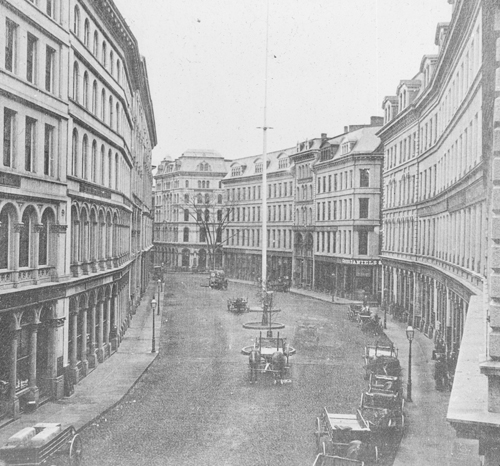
330	64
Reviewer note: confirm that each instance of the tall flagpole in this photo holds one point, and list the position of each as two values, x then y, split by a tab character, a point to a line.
264	173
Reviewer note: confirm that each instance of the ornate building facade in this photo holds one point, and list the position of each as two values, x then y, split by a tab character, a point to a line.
184	188
440	263
75	203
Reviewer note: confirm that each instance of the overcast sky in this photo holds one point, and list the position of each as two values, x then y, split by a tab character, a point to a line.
330	64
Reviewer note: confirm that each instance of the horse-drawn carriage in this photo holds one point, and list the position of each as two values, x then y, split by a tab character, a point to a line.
381	360
384	410
270	355
217	280
41	444
237	305
280	284
346	436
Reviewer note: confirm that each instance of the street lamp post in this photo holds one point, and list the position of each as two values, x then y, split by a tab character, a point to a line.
410	332
153	342
386	303
159	290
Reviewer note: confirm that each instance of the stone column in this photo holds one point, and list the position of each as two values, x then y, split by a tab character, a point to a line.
36	248
14	400
85	362
74	347
34	391
91	357
100	350
56	380
15	264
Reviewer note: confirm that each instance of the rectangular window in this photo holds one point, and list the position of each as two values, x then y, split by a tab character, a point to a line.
10	45
31	59
364	178
50	8
49	69
29	145
8	137
48	151
363	243
363	208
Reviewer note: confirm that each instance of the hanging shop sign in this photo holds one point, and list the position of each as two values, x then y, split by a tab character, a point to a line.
360	262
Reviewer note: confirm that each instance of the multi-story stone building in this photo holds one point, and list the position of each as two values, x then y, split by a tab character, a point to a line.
440	263
243	239
348	174
75	182
185	188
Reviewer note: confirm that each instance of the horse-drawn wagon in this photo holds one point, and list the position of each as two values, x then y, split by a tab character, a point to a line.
237	305
40	444
217	280
381	360
345	435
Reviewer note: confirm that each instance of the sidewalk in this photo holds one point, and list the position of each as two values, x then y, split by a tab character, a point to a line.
106	385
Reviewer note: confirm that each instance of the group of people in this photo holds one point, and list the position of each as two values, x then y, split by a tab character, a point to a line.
445	364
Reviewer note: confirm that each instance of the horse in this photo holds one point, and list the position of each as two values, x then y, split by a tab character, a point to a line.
254	361
278	366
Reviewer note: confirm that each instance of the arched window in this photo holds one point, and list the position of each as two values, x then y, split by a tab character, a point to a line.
186	198
76	81
94	97
94	165
118	71
95	46
199	199
74	158
85	146
207	215
103	105
186	215
111	110
103	164
219	199
203	235
44	237
199	184
86	33
118	117
86	90
116	171
26	239
104	57
76	21
186	235
110	171
111	62
207	198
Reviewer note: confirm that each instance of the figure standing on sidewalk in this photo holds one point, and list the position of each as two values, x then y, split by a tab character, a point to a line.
441	372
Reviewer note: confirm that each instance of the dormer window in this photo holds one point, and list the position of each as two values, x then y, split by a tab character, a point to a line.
347	147
258	167
204	167
283	162
236	170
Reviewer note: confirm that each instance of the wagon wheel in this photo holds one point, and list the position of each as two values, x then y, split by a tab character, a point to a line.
75	451
375	454
318	435
323	447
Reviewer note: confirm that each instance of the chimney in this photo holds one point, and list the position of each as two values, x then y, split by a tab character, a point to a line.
376	121
346	129
323	136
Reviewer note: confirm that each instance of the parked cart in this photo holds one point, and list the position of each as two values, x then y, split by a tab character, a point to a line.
381	360
41	444
345	435
329	460
238	305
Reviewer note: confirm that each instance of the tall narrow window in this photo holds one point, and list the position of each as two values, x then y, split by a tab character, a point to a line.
103	105
118	71
48	151
363	208
76	81
93	167
94	97
74	153
363	243
10	45
8	137
86	33
110	171
31	59
76	21
111	110
49	69
104	56
86	90
50	8
117	166
111	62
95	46
25	241
29	145
103	164
364	178
4	239
85	157
118	116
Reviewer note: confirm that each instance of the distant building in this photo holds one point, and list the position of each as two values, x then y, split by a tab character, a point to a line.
243	241
183	186
440	212
75	184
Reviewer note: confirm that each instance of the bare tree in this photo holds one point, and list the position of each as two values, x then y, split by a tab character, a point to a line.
212	215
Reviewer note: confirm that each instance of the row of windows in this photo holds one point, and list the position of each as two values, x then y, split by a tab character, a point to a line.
343	180
340	242
276	239
304	171
328	210
99	104
100	51
31	56
22	137
91	162
453	237
49	7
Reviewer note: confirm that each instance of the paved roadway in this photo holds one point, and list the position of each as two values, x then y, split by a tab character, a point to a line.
195	405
